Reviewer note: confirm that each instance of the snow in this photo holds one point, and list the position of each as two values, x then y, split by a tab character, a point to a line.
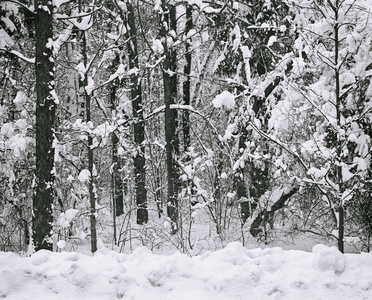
120	72
224	99
66	217
61	244
84	175
157	46
20	98
8	23
58	3
231	273
21	56
5	39
55	97
90	87
271	41
86	21
317	173
81	70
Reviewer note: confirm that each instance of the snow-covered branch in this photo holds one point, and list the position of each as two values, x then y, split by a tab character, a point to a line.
29	9
19	55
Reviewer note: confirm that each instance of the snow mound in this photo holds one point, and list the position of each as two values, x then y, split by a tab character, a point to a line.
231	273
329	258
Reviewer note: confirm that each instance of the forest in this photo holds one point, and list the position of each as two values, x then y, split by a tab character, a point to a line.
185	124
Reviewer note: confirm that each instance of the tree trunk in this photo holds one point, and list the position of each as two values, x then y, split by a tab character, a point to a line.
42	221
117	182
186	84
168	21
341	186
139	124
240	181
92	194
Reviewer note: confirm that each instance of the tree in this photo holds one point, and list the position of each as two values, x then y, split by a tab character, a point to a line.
325	93
138	120
168	29
46	101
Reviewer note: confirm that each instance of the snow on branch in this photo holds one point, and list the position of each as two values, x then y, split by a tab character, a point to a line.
192	110
63	37
266	215
58	3
280	144
19	55
29	9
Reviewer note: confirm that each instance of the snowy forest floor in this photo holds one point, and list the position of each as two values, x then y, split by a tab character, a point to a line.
230	273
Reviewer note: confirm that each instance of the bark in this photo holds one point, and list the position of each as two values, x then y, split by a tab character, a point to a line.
168	20
45	115
186	84
139	124
117	180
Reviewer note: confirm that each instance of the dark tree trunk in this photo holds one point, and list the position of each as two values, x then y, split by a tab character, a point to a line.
139	124
42	221
186	84
116	176
187	96
168	21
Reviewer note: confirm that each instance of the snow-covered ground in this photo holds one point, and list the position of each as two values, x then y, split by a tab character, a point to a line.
231	273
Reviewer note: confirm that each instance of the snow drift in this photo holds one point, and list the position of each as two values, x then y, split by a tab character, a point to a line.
230	273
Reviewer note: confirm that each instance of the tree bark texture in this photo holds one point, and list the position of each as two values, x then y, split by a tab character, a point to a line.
168	22
42	221
138	124
117	180
186	83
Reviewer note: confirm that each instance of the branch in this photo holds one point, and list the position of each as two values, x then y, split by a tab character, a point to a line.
19	55
269	214
81	15
284	147
29	9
